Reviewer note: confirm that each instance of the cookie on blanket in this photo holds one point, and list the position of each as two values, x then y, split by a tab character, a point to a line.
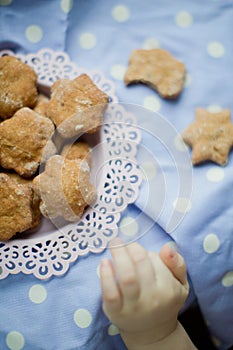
64	188
77	150
158	69
41	105
18	86
210	136
19	209
24	140
76	106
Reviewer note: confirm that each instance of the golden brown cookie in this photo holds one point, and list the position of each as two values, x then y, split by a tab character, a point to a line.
76	106
24	139
158	69
19	209
41	105
64	188
18	86
210	136
77	150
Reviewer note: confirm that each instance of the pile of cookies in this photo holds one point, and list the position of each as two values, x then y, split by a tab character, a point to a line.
211	134
39	177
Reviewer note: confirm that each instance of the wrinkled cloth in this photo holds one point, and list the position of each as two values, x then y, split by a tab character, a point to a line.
66	312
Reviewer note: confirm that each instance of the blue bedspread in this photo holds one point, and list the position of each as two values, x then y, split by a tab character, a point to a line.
65	313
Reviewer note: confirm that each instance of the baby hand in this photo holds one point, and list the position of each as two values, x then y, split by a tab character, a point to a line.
143	292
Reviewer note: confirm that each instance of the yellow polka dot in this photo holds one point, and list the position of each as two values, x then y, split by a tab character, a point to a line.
227	280
87	41
5	2
149	171
152	103
66	5
215	49
15	340
182	205
150	43
113	330
184	19
118	71
82	318
215	174
180	144
121	13
214	108
34	34
211	243
129	226
37	294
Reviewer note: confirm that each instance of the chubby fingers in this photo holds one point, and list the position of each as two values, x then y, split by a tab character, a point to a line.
143	266
111	295
175	262
125	272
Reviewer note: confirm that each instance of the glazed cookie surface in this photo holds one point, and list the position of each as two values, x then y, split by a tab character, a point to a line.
18	86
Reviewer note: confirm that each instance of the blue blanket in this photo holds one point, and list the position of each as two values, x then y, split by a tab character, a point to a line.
65	313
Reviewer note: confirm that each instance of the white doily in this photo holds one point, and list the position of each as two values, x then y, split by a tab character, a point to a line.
49	250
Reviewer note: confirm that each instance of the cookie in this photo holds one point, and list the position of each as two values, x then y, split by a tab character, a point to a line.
18	86
77	150
64	188
19	209
41	105
76	106
158	69
210	136
24	140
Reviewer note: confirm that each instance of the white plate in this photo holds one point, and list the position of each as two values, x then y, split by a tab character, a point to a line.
49	249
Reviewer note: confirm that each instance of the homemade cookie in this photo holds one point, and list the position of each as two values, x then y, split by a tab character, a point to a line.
64	188
210	136
77	150
158	69
41	105
18	86
19	209
76	106
24	140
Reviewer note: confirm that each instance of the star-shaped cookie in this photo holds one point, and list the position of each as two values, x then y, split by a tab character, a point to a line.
210	136
158	69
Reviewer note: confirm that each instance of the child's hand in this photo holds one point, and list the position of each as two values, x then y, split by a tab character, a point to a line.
143	292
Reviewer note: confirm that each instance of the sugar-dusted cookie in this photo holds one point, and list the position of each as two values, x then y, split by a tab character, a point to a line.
77	150
210	136
18	86
76	106
41	105
24	139
19	209
158	69
64	188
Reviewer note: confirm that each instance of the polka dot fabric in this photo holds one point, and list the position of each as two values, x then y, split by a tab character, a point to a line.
65	313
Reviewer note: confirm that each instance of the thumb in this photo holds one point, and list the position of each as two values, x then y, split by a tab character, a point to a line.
175	263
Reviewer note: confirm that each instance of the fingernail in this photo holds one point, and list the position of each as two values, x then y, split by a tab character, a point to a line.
173	246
